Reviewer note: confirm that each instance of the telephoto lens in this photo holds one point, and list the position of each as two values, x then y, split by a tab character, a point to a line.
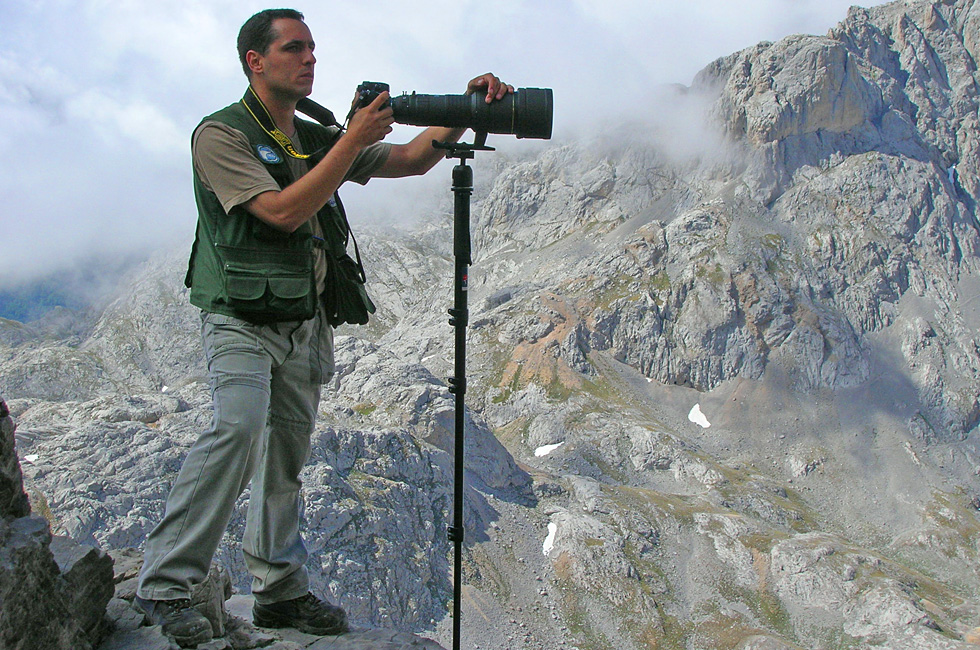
527	113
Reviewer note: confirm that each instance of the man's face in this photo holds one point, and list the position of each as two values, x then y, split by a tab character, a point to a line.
287	67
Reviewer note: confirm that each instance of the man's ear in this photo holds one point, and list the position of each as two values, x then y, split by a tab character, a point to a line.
255	61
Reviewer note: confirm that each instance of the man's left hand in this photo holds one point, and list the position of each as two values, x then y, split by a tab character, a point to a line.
495	88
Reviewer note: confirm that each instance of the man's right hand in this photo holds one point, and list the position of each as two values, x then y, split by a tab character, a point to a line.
371	123
298	202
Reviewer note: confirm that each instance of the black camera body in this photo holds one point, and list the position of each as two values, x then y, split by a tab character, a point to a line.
368	91
527	113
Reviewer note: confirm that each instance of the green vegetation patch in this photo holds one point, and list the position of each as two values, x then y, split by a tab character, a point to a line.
660	282
365	409
617	288
513	433
715	274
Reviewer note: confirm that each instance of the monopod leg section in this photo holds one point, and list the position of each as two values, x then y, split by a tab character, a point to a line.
459	317
462	189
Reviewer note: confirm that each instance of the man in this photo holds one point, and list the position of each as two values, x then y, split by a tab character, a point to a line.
266	212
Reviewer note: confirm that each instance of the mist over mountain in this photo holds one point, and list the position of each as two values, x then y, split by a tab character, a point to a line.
724	392
80	286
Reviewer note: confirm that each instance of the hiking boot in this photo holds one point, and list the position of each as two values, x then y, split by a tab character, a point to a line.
307	614
186	625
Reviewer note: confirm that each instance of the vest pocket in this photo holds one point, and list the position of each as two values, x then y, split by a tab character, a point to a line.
290	287
244	287
265	297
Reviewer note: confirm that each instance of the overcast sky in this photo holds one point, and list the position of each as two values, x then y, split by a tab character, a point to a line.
98	97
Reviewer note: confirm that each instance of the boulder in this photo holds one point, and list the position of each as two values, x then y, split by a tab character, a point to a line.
13	500
88	572
53	592
35	602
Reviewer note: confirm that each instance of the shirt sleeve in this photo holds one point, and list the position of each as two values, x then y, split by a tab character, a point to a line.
367	162
227	167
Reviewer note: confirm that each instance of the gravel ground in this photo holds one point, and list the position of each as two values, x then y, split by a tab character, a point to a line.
513	601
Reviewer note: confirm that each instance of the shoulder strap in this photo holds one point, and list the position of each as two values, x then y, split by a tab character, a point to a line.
326	117
319	113
258	111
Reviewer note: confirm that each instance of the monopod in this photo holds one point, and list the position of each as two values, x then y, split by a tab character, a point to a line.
527	113
459	318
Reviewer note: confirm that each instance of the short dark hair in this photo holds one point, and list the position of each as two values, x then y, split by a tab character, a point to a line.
257	33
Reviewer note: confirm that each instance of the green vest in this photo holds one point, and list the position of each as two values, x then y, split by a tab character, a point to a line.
244	268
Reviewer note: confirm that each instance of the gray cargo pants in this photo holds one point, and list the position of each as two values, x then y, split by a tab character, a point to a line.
265	387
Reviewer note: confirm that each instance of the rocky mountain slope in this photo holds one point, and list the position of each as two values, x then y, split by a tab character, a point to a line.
723	399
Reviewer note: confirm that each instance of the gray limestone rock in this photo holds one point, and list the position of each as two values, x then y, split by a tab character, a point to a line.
13	499
144	638
122	616
88	572
760	642
53	593
808	281
35	603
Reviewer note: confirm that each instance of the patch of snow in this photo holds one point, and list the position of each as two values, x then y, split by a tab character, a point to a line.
547	449
912	454
31	458
697	417
549	542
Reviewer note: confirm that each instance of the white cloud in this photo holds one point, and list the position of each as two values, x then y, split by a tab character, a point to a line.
100	96
130	123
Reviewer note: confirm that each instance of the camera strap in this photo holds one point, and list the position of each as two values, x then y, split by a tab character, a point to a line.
321	114
258	110
325	117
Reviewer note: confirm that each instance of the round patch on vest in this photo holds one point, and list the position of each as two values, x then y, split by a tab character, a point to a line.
267	154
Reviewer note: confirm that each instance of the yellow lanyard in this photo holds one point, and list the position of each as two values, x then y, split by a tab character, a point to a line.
258	110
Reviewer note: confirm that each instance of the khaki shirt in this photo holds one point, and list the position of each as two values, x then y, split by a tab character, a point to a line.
226	166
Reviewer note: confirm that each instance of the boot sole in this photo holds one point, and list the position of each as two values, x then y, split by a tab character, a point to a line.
192	642
276	622
183	641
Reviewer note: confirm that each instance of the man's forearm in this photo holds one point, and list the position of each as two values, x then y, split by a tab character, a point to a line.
296	204
418	156
293	206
